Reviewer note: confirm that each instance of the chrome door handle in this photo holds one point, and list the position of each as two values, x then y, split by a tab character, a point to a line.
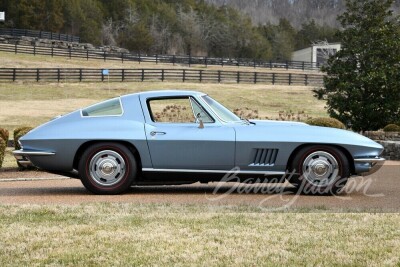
153	133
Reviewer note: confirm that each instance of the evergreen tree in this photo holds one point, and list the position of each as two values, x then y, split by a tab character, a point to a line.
362	85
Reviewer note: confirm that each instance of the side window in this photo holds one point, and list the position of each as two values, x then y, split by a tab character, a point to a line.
110	107
177	110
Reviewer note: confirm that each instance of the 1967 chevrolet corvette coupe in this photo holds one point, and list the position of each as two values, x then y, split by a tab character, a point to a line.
177	137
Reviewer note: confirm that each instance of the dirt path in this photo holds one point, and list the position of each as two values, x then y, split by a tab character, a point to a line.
380	191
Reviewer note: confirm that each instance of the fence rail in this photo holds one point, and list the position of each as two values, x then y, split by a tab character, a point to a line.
141	75
40	34
172	59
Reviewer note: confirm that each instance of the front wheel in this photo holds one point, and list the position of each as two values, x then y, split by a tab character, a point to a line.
107	168
320	170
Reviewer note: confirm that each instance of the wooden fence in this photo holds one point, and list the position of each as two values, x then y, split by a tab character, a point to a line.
171	59
141	75
40	34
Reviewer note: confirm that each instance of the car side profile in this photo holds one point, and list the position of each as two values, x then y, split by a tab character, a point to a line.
178	137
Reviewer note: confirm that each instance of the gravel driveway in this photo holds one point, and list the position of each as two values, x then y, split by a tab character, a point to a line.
380	192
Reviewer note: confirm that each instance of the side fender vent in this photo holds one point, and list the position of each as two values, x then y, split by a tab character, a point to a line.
264	157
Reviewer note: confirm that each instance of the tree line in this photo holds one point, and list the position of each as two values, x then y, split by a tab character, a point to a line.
194	27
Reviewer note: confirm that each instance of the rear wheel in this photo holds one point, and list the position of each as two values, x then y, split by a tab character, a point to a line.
320	170
107	168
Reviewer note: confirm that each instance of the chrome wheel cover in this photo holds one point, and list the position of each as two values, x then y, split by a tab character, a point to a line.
320	168
107	168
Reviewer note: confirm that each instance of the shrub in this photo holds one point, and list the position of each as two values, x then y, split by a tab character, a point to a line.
326	122
3	145
391	128
18	133
4	134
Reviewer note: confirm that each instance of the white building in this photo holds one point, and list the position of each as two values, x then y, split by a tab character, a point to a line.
317	53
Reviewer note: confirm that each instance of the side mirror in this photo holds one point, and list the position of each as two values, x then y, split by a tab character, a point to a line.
201	124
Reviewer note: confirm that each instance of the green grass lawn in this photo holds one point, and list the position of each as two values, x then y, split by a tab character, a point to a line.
165	235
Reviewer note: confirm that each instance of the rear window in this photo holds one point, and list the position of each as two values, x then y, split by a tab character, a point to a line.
110	107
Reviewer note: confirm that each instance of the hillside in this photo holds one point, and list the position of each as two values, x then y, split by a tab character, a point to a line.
185	27
297	12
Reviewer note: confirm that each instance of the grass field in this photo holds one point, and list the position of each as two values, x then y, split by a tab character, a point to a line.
11	60
34	103
187	235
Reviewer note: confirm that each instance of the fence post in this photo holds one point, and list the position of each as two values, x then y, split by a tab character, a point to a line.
142	74
270	64
190	59
205	61
287	65
70	52
122	57
238	77
16	48
58	75
14	74
173	60
255	77
306	79
104	55
290	78
102	76
87	54
34	49
254	63
139	57
37	75
52	50
156	58
219	76
303	66
40	34
184	75
123	75
222	62
200	75
80	75
162	75
273	78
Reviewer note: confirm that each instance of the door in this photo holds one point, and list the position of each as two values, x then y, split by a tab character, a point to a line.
182	135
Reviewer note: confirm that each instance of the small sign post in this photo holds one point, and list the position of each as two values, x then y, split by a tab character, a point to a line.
107	72
2	16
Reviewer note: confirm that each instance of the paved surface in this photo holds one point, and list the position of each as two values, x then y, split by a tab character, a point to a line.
380	191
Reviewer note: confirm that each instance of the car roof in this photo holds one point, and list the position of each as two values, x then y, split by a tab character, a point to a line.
164	93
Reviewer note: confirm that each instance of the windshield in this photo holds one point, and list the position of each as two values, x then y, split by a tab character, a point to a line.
221	111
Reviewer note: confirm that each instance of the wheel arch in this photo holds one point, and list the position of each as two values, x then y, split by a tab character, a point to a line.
87	144
342	149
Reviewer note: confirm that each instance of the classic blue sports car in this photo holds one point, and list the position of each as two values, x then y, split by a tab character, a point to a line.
177	137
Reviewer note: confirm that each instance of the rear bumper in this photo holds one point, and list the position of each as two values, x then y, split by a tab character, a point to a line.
367	166
23	156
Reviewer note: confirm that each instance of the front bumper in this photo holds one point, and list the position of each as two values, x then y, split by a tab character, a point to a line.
23	156
368	166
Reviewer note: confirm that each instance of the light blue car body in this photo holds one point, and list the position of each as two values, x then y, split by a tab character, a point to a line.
265	147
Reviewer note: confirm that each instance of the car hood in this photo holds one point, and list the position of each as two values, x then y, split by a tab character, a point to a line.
281	131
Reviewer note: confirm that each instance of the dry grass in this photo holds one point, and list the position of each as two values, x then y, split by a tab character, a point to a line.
165	235
11	60
35	103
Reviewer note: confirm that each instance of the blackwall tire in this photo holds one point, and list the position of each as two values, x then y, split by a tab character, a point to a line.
321	170
107	168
